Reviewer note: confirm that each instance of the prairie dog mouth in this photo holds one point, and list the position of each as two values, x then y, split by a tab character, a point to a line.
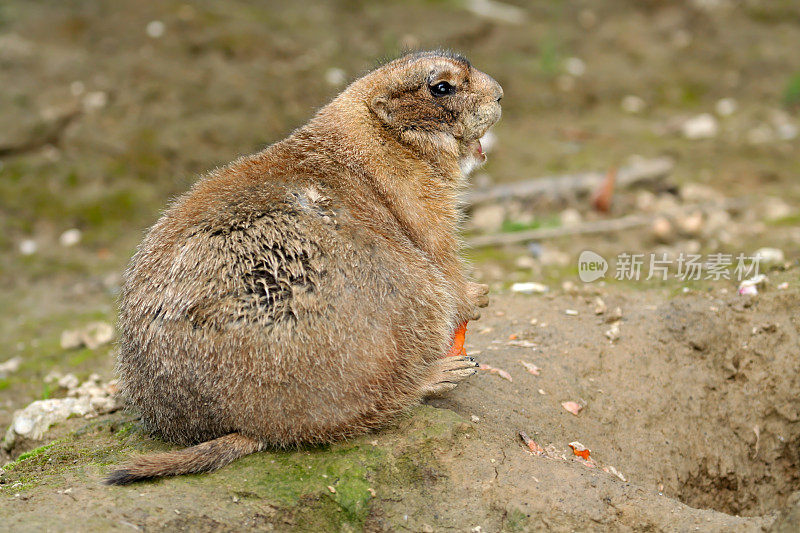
475	149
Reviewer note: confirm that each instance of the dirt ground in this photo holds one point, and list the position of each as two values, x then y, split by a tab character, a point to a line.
109	108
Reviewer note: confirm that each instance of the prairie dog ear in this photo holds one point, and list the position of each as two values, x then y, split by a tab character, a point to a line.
380	106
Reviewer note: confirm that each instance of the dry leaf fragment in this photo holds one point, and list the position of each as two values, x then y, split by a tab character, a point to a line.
572	407
530	367
502	373
580	450
531	444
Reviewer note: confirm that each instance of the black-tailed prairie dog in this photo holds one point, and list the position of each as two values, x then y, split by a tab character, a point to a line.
311	291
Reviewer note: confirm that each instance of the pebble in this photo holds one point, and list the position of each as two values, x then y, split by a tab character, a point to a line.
662	230
691	224
475	419
725	107
570	217
612	333
10	366
95	100
93	336
749	287
571	312
88	400
572	407
529	288
702	126
769	256
599	306
488	218
632	104
155	29
575	66
28	247
71	237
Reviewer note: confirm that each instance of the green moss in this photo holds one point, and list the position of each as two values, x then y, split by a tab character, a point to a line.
35	452
516	520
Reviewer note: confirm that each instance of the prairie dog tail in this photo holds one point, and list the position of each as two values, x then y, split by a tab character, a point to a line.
201	458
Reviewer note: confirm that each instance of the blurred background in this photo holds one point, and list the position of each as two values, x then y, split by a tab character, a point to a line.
110	108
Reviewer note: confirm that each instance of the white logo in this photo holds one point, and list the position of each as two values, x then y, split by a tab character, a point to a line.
591	266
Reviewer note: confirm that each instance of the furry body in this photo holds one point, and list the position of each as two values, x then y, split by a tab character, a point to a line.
307	293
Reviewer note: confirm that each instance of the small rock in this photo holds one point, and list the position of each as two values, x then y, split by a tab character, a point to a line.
529	288
702	126
750	286
77	88
662	230
691	224
97	334
572	407
575	66
498	11
769	256
632	104
10	366
570	217
697	193
95	100
71	237
28	247
599	306
725	107
475	419
612	333
155	29
71	339
571	312
488	218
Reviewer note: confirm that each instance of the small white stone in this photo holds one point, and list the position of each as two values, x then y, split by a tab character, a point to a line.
475	419
575	66
725	107
10	366
570	217
703	126
632	104
77	88
529	288
95	100
767	256
571	312
155	29
28	247
71	237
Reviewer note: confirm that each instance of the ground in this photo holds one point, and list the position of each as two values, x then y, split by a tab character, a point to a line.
110	108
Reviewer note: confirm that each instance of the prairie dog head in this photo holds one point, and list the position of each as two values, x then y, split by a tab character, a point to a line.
436	102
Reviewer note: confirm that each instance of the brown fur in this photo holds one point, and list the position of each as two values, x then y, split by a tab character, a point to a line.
308	292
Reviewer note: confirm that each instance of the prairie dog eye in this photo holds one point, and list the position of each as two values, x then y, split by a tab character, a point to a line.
442	89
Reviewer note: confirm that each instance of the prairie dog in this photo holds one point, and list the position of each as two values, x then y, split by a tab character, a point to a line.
308	292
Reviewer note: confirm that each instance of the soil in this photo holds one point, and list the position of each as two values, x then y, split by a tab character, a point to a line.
694	405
